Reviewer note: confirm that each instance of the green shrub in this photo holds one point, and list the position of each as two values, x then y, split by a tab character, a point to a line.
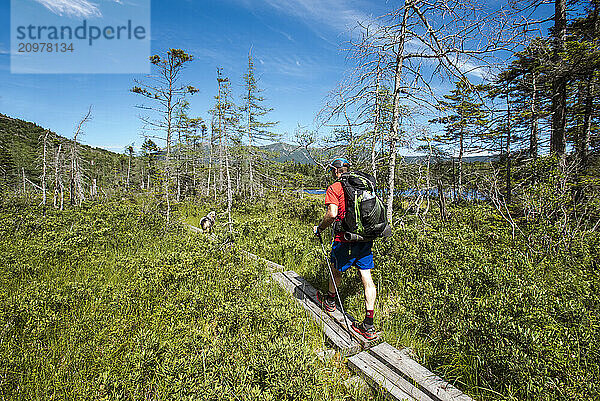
108	303
503	316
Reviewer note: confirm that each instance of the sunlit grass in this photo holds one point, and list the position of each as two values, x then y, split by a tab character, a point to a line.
502	318
108	303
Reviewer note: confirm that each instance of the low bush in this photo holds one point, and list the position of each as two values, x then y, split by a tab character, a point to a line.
108	303
504	314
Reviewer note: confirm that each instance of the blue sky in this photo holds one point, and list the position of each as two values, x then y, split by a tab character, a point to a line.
296	45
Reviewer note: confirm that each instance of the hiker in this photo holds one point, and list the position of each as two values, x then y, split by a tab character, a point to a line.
345	254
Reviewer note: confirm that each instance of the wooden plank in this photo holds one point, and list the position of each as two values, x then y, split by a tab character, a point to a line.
395	378
378	376
340	338
299	294
434	386
199	231
337	314
191	227
311	292
272	266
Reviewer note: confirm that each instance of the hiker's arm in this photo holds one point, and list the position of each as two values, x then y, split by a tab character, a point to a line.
330	215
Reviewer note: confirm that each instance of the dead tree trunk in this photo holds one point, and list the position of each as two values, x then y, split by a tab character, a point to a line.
229	192
57	179
377	119
395	134
210	163
44	165
77	195
559	83
442	201
461	152
508	153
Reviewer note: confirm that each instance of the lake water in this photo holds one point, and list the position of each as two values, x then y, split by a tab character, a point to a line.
314	191
469	194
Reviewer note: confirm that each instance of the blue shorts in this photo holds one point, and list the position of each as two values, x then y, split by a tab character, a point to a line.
346	254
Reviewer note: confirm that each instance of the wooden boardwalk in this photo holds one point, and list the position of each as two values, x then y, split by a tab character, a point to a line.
385	368
340	337
400	377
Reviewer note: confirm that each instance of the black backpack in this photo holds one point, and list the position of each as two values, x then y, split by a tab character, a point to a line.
365	217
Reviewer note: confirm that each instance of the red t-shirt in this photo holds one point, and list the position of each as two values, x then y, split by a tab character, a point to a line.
335	195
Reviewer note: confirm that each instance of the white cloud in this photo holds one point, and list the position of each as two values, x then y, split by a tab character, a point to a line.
470	68
117	148
291	65
334	13
338	15
74	8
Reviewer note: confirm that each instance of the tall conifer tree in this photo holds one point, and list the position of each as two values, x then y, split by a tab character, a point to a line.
254	111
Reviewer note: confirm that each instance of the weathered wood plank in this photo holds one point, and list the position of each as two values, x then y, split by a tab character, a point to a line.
340	338
398	379
395	378
199	231
337	314
438	389
272	266
193	228
311	292
299	293
377	375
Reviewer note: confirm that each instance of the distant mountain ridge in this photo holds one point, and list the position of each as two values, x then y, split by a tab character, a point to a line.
293	153
21	151
287	152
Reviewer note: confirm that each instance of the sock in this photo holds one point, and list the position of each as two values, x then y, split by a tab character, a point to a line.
369	317
331	294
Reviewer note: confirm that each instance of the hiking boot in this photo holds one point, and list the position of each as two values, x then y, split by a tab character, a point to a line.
326	301
367	331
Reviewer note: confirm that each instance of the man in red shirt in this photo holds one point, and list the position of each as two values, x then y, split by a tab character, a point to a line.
345	254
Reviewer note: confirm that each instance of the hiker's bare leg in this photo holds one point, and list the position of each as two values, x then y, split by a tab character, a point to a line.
338	279
370	289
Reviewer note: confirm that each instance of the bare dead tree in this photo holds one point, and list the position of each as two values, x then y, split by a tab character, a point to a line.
58	197
44	165
210	157
166	94
409	51
77	195
442	201
129	150
226	116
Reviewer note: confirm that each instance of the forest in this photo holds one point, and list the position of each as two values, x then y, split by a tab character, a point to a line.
482	132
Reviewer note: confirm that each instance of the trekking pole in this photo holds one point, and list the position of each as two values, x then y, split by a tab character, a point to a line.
334	284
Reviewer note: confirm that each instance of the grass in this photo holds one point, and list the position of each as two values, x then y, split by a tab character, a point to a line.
503	318
108	303
105	302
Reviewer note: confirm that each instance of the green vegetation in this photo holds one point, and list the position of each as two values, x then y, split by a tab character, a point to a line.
496	290
506	318
107	303
21	151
